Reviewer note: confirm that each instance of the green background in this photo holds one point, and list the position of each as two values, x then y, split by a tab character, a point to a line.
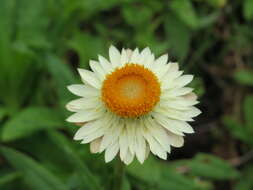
42	42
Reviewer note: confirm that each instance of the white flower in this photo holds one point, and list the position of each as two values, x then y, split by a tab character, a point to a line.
133	104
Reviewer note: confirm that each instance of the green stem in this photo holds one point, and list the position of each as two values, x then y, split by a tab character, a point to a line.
119	172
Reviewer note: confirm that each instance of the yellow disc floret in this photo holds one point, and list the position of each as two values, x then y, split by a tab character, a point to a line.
131	91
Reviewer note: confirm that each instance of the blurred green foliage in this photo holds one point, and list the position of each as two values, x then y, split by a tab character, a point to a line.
43	41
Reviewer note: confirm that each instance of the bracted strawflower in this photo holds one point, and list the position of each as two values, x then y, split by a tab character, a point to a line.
132	105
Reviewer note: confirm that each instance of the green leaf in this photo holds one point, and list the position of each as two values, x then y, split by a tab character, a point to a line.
244	77
3	113
237	129
62	76
207	20
17	61
162	176
145	36
246	180
30	120
186	12
198	86
212	167
87	179
248	9
35	175
248	112
139	20
215	3
143	171
176	181
179	36
6	20
126	185
9	177
32	23
87	46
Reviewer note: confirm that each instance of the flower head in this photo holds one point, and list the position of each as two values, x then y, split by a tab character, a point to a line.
133	104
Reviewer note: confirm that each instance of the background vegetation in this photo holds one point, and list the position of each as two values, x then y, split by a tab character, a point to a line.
43	41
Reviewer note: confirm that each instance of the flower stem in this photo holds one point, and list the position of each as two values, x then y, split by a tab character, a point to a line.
119	172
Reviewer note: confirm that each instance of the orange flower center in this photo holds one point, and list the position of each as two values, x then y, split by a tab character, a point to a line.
131	91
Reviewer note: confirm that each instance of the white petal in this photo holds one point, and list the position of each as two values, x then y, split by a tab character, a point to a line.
83	90
175	92
147	151
84	116
98	69
149	61
178	103
83	104
128	157
114	55
181	126
159	133
145	52
87	128
144	55
168	80
155	147
107	66
185	127
94	135
129	53
123	144
130	129
172	113
163	71
124	57
192	112
140	146
94	145
190	96
164	121
111	135
89	78
93	131
183	80
135	56
106	124
173	67
162	60
159	68
111	152
175	140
